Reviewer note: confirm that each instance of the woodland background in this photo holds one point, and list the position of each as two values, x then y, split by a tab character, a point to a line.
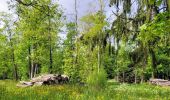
133	48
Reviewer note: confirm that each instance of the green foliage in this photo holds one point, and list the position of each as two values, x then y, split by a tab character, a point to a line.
97	79
123	57
135	46
95	24
109	64
31	41
74	92
70	66
155	35
158	28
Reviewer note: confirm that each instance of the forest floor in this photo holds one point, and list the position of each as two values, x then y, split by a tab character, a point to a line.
113	91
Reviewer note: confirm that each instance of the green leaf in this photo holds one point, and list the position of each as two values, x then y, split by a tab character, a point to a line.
158	3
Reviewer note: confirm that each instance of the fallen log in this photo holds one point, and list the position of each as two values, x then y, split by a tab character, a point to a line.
44	78
47	79
38	83
160	82
25	84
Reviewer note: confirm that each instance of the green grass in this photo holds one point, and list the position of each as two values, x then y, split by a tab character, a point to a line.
113	91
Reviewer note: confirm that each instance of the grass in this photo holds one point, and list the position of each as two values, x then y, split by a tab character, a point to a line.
113	91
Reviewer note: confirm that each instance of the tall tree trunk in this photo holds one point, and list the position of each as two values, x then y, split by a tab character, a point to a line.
50	42
117	77
144	63
110	46
135	76
15	71
152	9
123	77
154	63
98	68
76	14
76	29
29	61
100	40
51	59
33	61
35	69
15	66
142	76
101	5
167	5
32	69
116	52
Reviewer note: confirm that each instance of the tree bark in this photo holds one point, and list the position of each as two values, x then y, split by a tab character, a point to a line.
135	77
167	5
15	66
15	72
98	68
50	42
123	76
29	61
154	63
76	29
32	69
51	59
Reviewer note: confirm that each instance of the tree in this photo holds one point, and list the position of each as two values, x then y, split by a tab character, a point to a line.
158	35
39	25
70	53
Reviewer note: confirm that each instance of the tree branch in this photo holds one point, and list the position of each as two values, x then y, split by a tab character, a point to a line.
122	17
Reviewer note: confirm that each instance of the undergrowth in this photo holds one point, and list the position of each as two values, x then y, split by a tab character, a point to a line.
112	91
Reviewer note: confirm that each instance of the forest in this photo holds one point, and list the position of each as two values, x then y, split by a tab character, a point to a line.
118	56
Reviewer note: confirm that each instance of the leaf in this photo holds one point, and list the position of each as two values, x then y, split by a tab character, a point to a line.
158	3
151	2
143	27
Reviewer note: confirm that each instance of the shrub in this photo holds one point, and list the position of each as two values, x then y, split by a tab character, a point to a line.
97	79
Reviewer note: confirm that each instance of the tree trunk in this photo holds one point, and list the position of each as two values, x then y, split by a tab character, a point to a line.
33	61
123	76
117	77
142	78
151	51
15	66
50	40
32	69
29	61
135	77
154	63
76	29
35	69
51	59
76	14
98	68
167	5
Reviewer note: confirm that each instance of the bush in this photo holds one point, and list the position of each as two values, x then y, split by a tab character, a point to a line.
97	79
